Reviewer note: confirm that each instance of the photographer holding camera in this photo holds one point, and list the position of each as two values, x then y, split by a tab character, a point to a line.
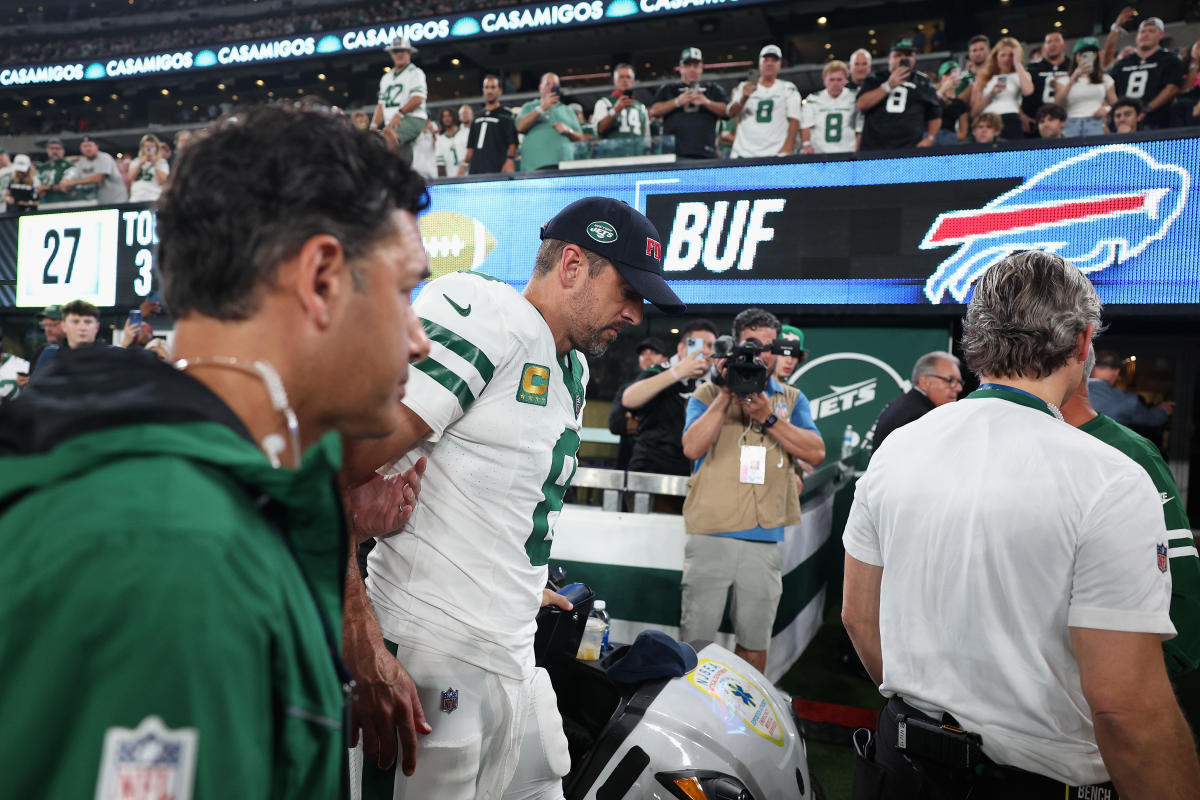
744	430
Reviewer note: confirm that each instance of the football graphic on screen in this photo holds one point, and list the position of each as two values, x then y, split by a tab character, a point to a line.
454	242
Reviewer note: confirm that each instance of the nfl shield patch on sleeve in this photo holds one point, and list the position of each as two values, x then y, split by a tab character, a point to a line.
147	763
1162	558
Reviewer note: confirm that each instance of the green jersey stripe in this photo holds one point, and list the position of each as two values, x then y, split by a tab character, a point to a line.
449	381
460	346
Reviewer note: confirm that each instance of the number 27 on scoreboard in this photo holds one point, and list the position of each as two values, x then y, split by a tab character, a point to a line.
67	256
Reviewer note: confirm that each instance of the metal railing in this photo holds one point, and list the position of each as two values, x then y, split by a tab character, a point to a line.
830	476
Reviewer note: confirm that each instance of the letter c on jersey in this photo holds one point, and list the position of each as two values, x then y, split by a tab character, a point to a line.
535	385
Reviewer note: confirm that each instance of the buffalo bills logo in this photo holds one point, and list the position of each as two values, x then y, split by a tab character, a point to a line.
1096	210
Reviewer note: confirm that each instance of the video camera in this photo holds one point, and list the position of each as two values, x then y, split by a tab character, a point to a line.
745	372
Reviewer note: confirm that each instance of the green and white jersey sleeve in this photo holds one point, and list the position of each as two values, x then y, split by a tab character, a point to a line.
762	125
505	411
1182	652
397	87
833	122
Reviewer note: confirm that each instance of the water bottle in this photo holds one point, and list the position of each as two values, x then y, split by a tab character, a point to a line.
848	441
600	613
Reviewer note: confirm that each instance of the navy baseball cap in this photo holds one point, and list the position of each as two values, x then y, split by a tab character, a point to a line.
653	656
652	343
618	232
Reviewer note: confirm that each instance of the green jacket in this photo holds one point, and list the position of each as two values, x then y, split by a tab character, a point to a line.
1182	652
156	566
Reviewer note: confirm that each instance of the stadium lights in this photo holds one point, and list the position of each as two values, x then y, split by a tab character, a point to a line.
828	46
112	97
822	20
166	92
1062	9
50	101
24	102
1058	23
221	86
871	32
332	89
455	62
674	330
320	76
259	82
1004	30
87	99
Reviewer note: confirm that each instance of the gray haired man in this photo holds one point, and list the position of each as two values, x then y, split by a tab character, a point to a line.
936	380
1007	581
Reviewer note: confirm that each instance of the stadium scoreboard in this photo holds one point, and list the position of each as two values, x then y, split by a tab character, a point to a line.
102	255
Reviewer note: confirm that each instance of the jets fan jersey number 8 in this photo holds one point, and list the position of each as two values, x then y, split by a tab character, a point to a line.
465	577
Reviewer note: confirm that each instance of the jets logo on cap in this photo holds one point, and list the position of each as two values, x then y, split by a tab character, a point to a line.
602	232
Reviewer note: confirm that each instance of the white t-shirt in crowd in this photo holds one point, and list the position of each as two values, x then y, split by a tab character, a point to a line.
999	528
762	125
1009	99
465	577
834	121
1085	97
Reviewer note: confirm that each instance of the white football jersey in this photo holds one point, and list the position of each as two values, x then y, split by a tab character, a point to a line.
835	121
763	124
465	577
398	87
10	366
452	149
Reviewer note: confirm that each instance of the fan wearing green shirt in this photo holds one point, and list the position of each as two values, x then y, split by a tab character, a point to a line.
51	172
549	128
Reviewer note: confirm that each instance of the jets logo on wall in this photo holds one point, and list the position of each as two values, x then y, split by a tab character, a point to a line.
847	388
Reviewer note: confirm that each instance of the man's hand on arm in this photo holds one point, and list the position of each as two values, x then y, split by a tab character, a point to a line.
382	505
860	613
1143	737
798	442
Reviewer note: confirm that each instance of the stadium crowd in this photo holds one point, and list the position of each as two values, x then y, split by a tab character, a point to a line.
995	94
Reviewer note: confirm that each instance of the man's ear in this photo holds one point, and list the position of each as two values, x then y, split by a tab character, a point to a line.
320	277
1083	342
572	267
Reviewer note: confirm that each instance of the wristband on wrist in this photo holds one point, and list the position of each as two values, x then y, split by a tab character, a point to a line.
769	421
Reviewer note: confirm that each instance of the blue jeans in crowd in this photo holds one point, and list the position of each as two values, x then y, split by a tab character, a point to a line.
1083	126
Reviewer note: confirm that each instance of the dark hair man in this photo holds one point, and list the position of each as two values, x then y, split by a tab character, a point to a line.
659	397
1055	64
1126	407
1050	120
743	494
691	107
990	515
900	107
208	629
497	411
1128	114
492	142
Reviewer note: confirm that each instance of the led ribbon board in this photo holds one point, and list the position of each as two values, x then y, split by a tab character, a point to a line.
431	30
903	232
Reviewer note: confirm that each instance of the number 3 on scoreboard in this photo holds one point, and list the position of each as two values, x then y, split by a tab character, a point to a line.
53	240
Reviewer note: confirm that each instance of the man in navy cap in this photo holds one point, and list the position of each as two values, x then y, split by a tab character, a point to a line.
495	412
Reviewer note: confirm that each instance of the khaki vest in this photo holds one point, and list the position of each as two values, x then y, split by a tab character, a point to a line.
717	501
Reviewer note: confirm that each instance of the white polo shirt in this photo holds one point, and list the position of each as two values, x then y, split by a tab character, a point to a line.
998	528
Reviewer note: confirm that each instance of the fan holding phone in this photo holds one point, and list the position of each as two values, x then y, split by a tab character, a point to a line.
1088	93
659	399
